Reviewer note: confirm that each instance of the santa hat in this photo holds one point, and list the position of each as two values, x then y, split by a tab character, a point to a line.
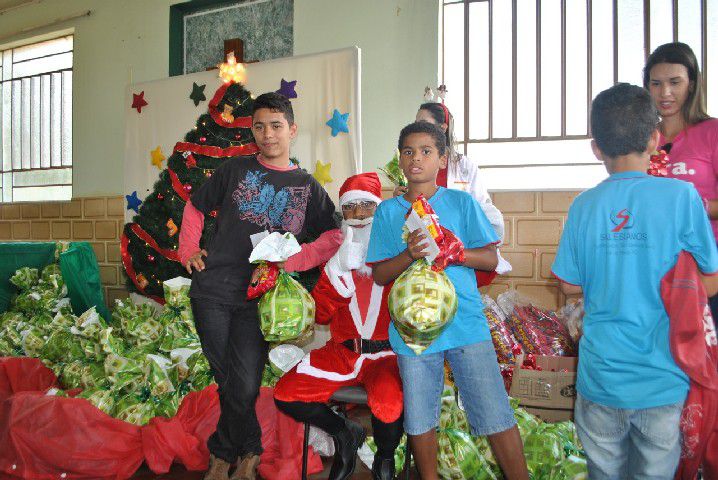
364	186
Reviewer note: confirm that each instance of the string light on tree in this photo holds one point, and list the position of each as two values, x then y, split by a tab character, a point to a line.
231	71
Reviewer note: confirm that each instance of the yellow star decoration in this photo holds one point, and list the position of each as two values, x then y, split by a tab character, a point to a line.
321	173
157	157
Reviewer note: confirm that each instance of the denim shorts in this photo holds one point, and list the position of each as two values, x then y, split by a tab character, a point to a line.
477	376
622	443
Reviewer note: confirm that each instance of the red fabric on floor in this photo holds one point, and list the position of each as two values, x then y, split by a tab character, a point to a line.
44	437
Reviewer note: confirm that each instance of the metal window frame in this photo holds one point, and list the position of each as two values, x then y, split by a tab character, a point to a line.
7	174
515	108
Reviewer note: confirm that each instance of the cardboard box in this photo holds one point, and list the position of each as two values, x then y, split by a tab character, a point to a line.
548	393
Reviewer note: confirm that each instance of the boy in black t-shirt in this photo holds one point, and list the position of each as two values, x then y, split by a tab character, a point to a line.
253	194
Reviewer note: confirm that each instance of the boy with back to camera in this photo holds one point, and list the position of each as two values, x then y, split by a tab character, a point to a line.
620	239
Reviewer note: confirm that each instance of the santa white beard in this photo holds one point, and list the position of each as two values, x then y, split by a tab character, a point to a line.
360	235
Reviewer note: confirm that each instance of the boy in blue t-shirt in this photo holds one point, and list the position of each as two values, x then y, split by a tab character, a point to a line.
466	342
621	237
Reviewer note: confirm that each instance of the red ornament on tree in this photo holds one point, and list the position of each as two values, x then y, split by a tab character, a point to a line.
187	187
189	160
213	213
150	258
202	139
160	196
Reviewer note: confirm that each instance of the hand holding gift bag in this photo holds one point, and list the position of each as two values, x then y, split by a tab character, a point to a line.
423	300
286	310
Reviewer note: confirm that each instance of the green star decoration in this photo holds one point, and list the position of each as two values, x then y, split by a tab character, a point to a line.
197	94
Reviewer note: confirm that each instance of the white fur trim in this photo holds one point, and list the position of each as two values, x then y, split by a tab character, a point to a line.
354	195
365	328
372	314
305	367
356	314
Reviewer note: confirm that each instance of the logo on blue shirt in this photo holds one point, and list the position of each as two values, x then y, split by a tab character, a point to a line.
622	219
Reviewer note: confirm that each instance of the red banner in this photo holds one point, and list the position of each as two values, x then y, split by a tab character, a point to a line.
217	152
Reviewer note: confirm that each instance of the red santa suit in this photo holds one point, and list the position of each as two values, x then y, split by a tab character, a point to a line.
355	308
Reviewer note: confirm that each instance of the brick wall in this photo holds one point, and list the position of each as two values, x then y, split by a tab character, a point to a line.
533	223
97	220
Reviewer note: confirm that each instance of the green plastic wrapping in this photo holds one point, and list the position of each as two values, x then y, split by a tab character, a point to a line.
61	346
166	404
132	408
101	398
393	171
286	312
399	453
138	367
33	341
71	376
25	278
160	375
421	303
15	255
93	375
177	292
269	377
459	458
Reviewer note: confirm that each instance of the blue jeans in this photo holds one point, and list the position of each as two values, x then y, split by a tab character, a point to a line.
636	444
477	377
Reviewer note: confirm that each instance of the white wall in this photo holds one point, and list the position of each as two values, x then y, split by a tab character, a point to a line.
399	44
126	41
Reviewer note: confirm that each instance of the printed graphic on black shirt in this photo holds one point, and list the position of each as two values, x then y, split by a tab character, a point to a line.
260	203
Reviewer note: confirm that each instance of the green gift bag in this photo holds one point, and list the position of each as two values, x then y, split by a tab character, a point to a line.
421	303
286	312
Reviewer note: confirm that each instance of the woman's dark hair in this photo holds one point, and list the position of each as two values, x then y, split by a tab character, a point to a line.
425	127
441	114
623	118
694	109
276	102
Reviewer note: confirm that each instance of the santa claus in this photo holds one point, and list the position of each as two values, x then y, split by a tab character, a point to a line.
358	352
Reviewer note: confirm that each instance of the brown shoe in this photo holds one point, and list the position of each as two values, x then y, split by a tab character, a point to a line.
218	469
247	468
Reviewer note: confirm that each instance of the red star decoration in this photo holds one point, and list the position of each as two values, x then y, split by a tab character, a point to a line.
138	101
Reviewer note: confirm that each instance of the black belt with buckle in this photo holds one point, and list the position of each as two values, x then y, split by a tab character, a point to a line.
361	345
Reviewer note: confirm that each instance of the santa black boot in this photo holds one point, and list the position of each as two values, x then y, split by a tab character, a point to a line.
346	443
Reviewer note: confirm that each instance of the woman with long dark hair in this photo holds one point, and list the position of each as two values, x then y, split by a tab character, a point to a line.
688	134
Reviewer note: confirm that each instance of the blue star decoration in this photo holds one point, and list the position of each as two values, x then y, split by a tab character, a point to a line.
197	94
338	122
287	88
133	202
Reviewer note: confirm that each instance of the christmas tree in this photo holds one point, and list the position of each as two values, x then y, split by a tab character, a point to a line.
149	243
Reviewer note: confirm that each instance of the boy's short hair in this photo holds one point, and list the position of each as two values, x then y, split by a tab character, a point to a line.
276	102
425	127
623	118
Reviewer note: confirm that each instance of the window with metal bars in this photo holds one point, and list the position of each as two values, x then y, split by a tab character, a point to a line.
36	121
521	75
